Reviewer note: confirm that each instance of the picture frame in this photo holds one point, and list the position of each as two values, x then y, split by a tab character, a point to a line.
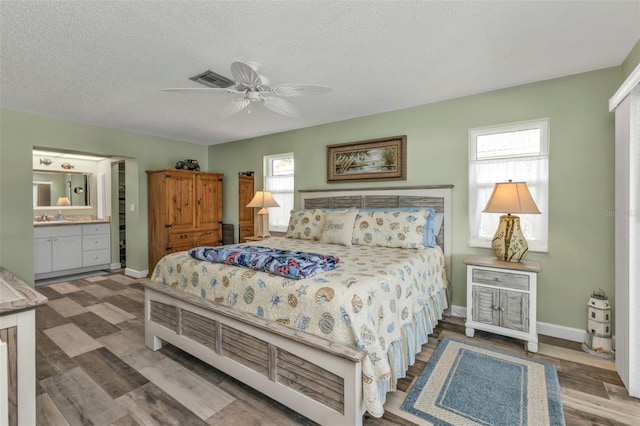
369	160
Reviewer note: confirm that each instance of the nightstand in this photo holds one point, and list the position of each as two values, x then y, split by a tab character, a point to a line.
501	298
256	238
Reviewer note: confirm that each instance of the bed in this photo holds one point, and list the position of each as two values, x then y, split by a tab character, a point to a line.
330	346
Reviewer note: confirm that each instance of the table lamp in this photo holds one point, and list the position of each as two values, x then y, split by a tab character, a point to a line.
63	201
509	243
262	200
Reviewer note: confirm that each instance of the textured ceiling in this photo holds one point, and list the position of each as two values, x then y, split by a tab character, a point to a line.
105	63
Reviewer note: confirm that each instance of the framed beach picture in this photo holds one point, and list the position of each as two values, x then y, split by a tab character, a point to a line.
375	159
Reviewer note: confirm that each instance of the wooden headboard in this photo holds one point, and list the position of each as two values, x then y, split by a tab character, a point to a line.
436	196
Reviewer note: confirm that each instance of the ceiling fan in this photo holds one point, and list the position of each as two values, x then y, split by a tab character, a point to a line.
256	88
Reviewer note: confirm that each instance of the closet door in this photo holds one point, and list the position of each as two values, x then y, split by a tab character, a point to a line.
627	235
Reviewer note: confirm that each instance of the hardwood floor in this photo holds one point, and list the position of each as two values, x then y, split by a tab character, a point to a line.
93	369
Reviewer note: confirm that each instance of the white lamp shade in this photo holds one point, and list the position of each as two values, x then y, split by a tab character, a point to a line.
263	199
511	197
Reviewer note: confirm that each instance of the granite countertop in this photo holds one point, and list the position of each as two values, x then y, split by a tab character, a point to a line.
69	220
16	295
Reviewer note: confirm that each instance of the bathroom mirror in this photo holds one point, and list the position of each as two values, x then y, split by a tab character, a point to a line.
61	189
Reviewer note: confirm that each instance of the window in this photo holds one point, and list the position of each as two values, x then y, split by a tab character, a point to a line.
278	180
519	152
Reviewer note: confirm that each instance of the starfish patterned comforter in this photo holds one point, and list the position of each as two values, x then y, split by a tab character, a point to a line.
382	300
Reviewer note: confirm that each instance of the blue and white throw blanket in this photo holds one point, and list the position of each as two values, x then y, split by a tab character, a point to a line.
289	264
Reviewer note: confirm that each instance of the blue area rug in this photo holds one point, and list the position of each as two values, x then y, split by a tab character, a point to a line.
469	384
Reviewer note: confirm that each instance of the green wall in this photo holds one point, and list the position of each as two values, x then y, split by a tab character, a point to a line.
581	242
20	132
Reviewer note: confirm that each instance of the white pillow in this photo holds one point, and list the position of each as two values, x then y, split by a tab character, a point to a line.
403	229
338	227
305	224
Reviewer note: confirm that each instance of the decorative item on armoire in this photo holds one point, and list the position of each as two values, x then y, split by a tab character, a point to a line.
508	242
188	165
598	340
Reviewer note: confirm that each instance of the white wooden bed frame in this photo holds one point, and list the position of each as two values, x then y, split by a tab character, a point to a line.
320	379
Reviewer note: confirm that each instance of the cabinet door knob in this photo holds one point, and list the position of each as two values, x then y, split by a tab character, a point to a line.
497	279
183	236
496	308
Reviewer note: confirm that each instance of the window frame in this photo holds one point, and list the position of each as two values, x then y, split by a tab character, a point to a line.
474	238
542	125
268	173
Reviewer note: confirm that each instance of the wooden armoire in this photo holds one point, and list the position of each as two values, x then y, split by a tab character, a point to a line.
185	211
245	214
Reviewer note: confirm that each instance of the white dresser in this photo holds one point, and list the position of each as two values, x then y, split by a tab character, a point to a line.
17	350
501	298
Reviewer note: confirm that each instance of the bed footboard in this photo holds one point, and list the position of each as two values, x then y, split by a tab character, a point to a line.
316	377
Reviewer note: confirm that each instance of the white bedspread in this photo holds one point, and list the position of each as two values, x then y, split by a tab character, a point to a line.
383	300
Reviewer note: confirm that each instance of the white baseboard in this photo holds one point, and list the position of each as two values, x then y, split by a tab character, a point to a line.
135	273
553	330
458	311
562	332
115	266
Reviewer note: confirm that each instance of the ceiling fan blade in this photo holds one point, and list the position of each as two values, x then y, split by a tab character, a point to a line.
245	75
301	89
280	106
201	90
234	107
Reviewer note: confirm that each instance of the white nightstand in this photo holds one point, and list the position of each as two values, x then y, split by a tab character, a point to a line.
501	298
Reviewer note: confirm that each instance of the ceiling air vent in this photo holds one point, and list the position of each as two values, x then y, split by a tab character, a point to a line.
211	79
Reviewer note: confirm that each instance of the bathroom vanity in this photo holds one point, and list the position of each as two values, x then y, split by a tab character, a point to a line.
75	245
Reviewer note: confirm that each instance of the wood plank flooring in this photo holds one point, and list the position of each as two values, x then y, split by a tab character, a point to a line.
93	369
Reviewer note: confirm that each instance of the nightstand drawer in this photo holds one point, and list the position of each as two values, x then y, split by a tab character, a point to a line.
501	279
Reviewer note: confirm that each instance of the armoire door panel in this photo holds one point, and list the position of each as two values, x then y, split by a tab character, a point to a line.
181	209
208	200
